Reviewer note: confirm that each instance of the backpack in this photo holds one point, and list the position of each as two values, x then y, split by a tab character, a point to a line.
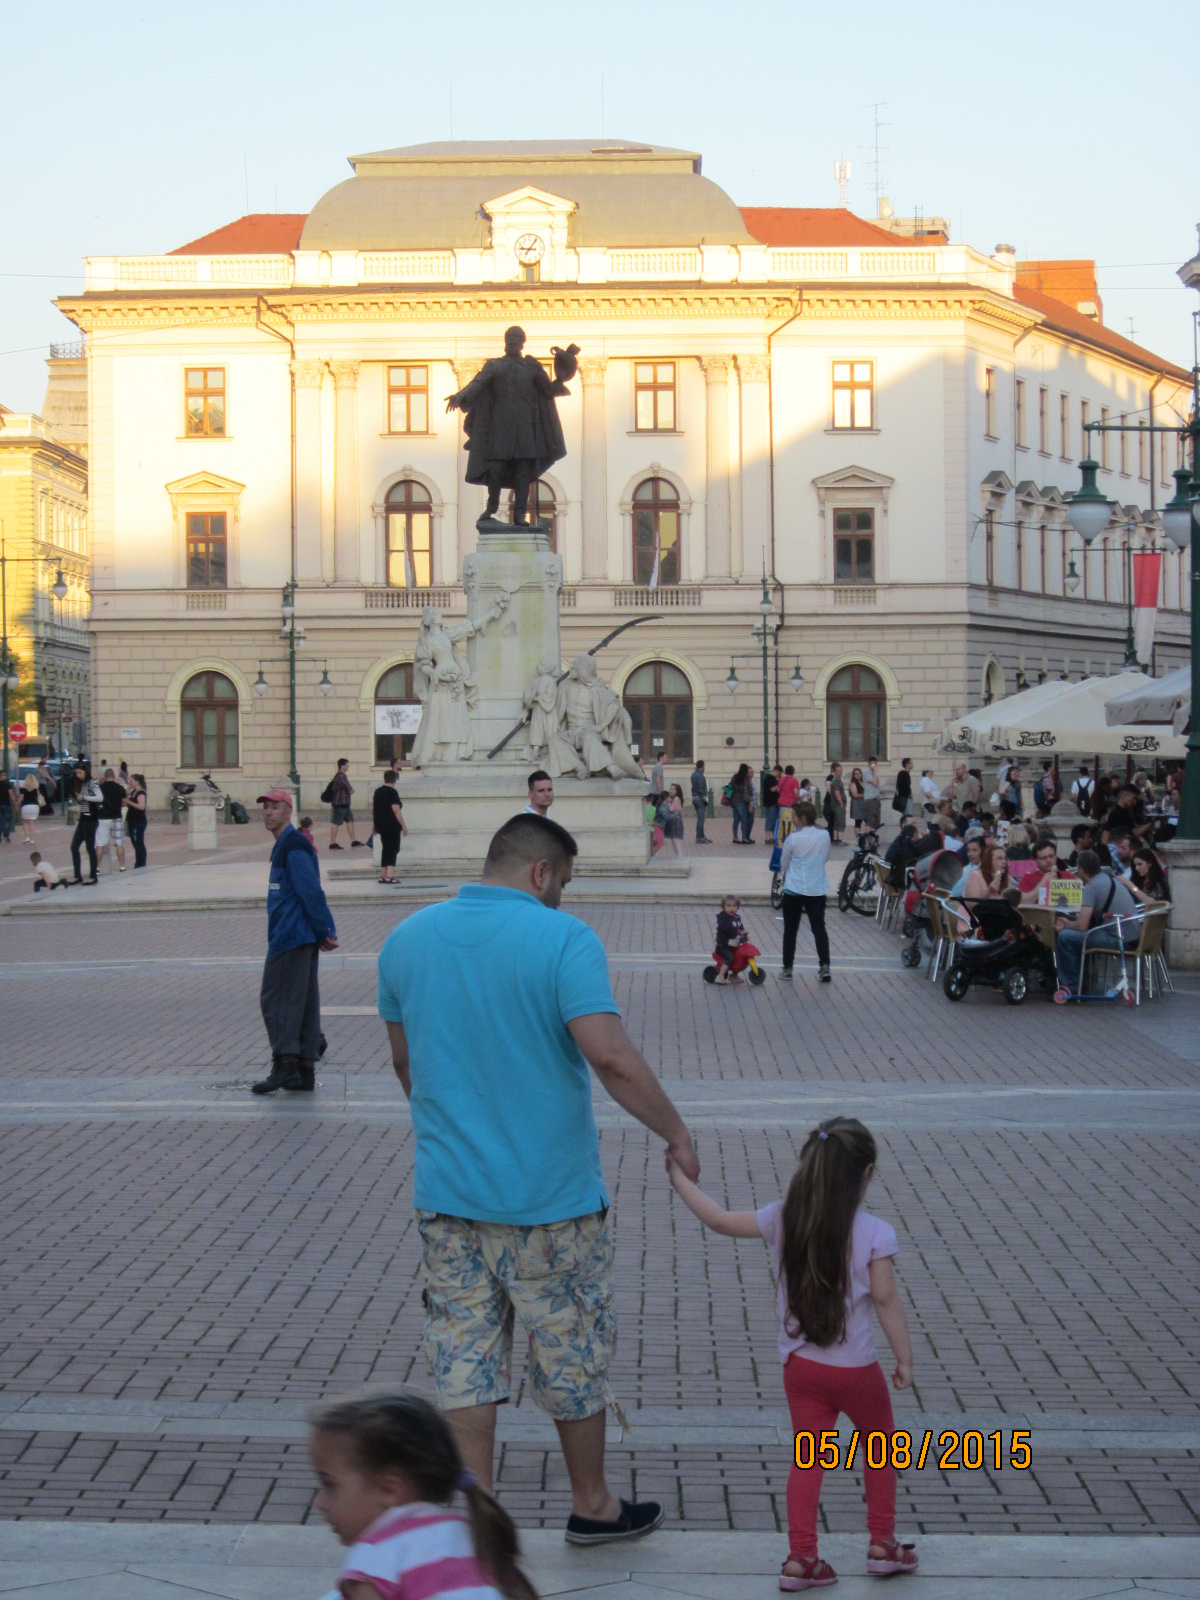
1039	796
327	794
238	812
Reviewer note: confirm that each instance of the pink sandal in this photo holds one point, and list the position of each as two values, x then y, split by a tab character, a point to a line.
815	1574
896	1557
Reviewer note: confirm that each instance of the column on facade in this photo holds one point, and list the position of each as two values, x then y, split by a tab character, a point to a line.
594	470
716	512
756	463
469	505
307	377
346	562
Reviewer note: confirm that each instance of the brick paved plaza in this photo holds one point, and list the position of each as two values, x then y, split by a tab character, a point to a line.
187	1268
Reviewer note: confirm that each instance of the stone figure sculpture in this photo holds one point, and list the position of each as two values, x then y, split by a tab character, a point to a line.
594	729
511	422
541	702
445	687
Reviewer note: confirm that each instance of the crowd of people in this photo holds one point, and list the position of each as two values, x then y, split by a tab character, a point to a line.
109	810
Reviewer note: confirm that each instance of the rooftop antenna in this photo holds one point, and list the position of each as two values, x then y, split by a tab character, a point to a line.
880	151
841	171
1129	320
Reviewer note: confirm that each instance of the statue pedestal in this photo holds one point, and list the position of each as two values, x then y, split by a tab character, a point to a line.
504	656
453	809
1183	857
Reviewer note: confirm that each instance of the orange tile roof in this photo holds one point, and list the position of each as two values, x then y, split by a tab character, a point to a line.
807	227
263	233
1065	319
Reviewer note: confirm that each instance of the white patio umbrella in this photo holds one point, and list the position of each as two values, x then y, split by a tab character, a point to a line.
1073	722
1166	699
968	735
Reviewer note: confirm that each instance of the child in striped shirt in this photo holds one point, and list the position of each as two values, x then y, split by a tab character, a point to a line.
389	1469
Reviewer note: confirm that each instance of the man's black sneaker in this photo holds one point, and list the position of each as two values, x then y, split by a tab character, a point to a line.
285	1074
335	847
635	1522
306	1077
355	844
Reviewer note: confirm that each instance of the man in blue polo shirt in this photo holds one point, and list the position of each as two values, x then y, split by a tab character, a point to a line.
496	1004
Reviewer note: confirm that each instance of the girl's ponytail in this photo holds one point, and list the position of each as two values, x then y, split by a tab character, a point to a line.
494	1535
818	1218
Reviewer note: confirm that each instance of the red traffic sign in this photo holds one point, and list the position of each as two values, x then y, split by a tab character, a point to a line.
17	731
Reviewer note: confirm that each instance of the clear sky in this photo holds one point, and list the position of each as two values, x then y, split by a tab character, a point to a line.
1057	127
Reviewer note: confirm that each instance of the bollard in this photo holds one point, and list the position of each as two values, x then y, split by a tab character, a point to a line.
228	809
174	809
712	810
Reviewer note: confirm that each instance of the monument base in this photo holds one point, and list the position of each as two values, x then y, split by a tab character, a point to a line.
1183	858
452	811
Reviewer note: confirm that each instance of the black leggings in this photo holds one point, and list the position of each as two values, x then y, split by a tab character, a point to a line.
794	907
85	834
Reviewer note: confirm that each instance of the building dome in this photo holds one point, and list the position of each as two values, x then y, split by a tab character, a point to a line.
433	196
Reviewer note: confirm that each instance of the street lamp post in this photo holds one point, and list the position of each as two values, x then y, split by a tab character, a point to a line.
766	633
260	685
9	678
1090	512
1072	582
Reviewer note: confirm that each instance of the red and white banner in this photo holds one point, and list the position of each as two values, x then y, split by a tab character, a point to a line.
1147	576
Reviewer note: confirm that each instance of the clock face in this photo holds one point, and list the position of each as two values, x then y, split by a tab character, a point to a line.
530	248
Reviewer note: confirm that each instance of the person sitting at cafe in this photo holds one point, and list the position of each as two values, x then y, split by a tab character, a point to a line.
990	879
1082	838
1129	812
1045	854
1121	846
1148	880
1104	898
973	847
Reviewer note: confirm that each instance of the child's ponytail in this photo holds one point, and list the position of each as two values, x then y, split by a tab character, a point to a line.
496	1544
818	1217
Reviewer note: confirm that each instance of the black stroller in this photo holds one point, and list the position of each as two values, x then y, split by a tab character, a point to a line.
939	872
1003	952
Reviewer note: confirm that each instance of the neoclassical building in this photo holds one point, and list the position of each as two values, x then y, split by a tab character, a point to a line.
884	427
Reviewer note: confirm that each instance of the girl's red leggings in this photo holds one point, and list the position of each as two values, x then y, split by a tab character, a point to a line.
816	1394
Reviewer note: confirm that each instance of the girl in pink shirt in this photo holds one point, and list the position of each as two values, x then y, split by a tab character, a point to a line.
389	1469
833	1262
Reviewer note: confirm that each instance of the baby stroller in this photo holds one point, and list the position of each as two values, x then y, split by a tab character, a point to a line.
1003	953
939	872
744	956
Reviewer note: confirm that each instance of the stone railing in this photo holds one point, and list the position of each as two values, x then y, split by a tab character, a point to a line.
854	594
387	599
667	597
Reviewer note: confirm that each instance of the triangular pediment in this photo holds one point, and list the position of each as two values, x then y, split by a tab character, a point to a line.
204	483
529	198
853	478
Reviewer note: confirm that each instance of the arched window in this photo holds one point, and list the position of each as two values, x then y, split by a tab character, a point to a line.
655	533
993	683
855	714
397	716
543	507
208	722
409	514
659	700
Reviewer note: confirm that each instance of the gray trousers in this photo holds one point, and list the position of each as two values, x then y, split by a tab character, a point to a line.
291	1003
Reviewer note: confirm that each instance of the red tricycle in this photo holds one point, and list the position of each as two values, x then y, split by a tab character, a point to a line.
745	959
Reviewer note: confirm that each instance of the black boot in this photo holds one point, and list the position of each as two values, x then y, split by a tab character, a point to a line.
306	1076
285	1074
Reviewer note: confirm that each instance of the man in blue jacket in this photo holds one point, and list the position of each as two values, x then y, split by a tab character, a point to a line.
299	925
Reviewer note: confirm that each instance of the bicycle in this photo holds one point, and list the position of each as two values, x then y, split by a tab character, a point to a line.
857	890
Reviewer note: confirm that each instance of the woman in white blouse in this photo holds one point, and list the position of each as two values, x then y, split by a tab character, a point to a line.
805	885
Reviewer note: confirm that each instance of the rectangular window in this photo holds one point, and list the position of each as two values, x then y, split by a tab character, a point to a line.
1042	559
1064	426
1143	452
1163	473
1019	411
408	399
206	551
1123	441
204	400
654	396
989	549
1044	421
1021	552
854	547
1104	457
989	402
1085	442
853	394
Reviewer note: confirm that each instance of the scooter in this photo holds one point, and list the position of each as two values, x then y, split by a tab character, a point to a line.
745	958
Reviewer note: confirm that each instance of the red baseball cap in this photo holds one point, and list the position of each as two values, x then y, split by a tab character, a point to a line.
281	795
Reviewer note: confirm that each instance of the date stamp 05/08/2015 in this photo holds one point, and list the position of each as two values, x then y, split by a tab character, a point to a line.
951	1451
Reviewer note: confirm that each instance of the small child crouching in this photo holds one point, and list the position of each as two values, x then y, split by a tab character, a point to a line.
306	829
45	877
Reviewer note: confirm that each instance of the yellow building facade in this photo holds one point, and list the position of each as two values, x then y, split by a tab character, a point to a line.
44	534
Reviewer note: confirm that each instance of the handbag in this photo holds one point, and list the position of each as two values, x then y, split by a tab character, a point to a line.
897	803
727	795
